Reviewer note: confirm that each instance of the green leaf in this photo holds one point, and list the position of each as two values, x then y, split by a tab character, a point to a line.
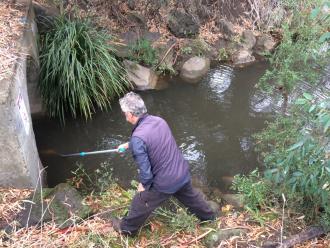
324	37
300	101
295	146
308	96
311	109
297	173
327	125
327	168
314	13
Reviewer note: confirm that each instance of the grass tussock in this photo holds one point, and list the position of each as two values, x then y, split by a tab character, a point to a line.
78	70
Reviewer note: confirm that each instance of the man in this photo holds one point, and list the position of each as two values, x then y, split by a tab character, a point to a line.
163	172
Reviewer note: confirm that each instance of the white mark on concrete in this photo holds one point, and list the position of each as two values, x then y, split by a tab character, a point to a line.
23	113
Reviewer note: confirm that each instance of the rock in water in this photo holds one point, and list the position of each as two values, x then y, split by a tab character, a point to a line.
194	69
142	77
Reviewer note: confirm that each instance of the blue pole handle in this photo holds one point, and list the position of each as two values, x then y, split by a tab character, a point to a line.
121	149
82	154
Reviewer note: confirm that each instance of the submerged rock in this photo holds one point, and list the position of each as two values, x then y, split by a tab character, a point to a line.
142	77
194	69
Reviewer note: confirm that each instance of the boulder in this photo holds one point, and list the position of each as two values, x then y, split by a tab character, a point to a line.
142	77
194	69
138	20
197	9
132	36
249	40
235	200
182	25
265	44
121	50
131	4
62	204
226	28
242	56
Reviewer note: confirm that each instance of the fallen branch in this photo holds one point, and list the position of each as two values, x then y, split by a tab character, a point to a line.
107	211
167	52
311	233
200	237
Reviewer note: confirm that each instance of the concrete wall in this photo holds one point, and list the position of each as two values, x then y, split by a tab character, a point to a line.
20	165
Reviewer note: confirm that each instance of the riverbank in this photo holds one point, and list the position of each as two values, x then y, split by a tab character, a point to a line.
232	229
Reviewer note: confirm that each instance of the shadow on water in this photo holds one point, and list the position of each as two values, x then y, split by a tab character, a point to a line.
212	122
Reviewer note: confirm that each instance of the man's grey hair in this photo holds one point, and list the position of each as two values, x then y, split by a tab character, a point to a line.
133	103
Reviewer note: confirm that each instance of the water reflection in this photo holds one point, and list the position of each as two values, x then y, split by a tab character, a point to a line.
218	81
193	153
212	123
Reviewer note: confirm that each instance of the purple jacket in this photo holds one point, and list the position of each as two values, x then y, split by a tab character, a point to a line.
169	169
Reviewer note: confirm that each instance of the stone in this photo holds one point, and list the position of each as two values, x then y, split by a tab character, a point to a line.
215	238
265	44
194	69
131	4
132	36
137	19
121	50
242	56
215	207
249	40
142	77
182	25
62	204
236	200
226	27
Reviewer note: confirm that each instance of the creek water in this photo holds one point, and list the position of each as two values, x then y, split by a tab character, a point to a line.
212	121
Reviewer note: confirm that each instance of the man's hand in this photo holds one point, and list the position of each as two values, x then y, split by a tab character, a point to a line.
140	188
123	147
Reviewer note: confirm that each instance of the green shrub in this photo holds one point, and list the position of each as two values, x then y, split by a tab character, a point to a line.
186	50
98	181
200	47
296	156
78	70
256	191
180	220
302	51
223	54
295	148
142	52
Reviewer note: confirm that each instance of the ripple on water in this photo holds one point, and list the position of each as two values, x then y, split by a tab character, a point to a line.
218	81
262	103
111	142
193	153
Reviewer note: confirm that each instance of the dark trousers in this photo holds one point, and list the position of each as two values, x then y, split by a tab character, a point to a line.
147	201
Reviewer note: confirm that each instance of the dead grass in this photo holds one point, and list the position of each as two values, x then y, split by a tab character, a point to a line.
98	232
11	28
